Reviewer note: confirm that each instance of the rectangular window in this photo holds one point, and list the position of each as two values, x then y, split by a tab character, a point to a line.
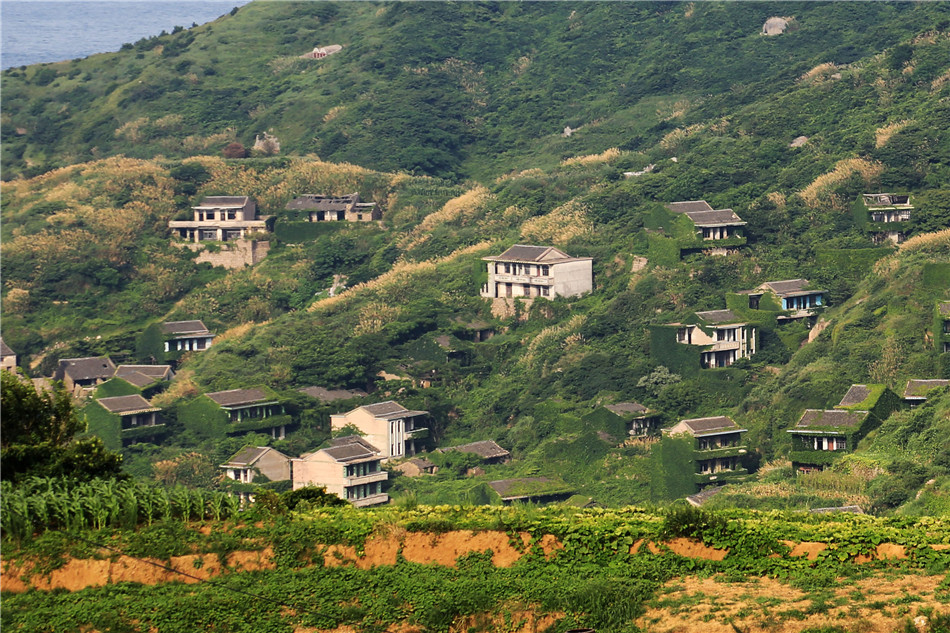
508	268
545	291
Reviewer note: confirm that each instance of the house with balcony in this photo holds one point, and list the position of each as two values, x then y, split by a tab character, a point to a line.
692	226
84	373
260	463
792	297
916	391
717	449
537	271
717	338
397	431
220	219
886	216
123	420
311	207
234	412
350	468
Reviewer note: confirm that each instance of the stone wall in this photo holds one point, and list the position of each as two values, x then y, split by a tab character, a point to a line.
233	254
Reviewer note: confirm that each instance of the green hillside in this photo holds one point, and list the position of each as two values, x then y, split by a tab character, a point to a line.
473	99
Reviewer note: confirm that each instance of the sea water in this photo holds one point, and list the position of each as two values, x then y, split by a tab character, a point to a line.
35	31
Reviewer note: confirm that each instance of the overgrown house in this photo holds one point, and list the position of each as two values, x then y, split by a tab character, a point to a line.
236	411
537	271
320	208
350	468
397	431
220	219
84	373
7	357
258	462
885	216
123	420
821	436
186	336
942	327
714	229
917	390
717	448
721	336
791	296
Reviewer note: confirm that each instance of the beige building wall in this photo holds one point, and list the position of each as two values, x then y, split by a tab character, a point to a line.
573	278
374	431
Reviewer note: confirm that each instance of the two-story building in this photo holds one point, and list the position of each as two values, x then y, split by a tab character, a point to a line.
714	231
820	436
723	338
717	448
791	295
123	420
537	271
350	468
258	462
389	425
234	412
348	208
220	219
886	216
84	373
186	336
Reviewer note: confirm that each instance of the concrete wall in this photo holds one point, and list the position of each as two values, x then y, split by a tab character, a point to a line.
233	254
573	278
374	431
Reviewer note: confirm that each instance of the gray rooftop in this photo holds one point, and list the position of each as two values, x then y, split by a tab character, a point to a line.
143	375
350	448
626	408
390	409
87	368
486	449
525	253
719	217
718	316
126	405
918	389
247	456
311	201
856	395
184	327
830	418
688	206
715	424
5	349
237	397
789	287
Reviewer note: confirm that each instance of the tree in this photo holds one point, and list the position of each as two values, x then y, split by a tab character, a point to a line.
37	435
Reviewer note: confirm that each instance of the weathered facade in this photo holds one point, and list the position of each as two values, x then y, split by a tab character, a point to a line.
186	336
350	469
717	448
537	271
792	296
220	219
886	216
348	208
84	373
721	335
388	425
253	461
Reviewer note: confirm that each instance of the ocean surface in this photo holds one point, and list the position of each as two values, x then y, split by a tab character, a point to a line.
35	31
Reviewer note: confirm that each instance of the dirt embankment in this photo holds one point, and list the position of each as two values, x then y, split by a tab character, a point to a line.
425	548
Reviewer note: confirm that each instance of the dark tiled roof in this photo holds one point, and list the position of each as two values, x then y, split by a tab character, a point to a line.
126	404
143	375
235	397
701	426
856	395
525	253
719	217
352	447
788	286
5	349
390	409
330	395
919	388
310	201
88	368
830	418
718	316
184	327
704	495
247	456
944	308
421	463
688	206
486	449
224	201
626	408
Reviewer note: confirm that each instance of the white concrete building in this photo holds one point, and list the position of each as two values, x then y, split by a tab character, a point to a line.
537	271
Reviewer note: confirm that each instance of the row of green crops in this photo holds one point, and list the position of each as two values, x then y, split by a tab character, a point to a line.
41	504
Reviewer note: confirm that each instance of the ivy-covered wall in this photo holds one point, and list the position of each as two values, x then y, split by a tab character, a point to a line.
673	468
678	358
204	417
104	425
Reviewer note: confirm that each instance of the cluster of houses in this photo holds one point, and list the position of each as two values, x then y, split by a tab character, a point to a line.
351	466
